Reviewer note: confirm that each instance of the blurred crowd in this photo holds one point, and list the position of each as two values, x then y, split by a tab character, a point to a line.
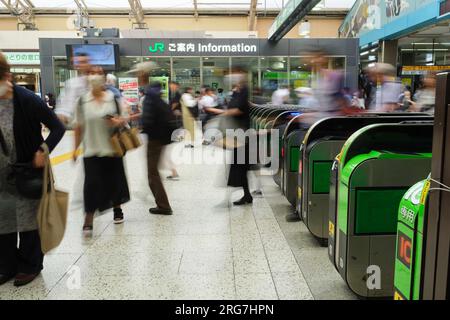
95	108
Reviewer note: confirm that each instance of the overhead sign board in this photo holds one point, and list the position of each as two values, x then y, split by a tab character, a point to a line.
422	70
23	58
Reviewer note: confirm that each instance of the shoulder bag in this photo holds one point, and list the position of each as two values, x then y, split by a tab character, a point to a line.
125	138
52	213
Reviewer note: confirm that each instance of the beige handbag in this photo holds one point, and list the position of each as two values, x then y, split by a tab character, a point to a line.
52	214
124	140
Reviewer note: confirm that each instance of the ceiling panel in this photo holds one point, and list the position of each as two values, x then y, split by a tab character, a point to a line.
187	4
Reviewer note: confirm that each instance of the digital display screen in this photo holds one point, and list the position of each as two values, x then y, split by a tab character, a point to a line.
105	55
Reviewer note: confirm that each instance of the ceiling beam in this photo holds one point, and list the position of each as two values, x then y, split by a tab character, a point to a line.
291	14
137	14
252	15
23	10
195	9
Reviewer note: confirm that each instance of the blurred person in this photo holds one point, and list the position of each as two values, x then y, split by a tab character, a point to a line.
239	112
281	95
141	97
389	90
175	97
98	112
358	100
190	113
306	98
111	84
50	100
426	96
221	98
156	124
74	88
21	115
405	100
209	108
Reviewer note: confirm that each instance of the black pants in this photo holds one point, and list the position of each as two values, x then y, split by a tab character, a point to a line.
27	258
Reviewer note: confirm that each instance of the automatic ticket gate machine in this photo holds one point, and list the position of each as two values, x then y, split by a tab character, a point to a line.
409	259
280	124
292	137
377	165
320	146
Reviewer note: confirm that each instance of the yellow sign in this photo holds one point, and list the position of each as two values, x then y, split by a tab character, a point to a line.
421	70
426	188
331	229
398	296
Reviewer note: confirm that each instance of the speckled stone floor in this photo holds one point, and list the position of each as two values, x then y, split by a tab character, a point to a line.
204	251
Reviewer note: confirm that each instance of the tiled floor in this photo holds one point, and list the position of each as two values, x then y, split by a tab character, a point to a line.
203	251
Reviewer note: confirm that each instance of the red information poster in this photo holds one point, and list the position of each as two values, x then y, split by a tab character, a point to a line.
130	87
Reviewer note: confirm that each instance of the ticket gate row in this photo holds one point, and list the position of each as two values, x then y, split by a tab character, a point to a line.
321	144
270	117
375	168
422	255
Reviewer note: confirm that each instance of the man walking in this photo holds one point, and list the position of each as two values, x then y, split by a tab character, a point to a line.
156	124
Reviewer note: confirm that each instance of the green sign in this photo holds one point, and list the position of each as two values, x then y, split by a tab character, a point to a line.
158	46
23	58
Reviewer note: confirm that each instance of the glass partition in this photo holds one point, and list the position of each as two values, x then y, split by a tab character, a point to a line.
214	71
61	73
251	64
274	74
186	71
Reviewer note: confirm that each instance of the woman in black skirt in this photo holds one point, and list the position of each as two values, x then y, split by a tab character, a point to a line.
105	184
239	110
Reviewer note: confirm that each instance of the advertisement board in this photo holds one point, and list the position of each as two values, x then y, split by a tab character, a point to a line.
130	90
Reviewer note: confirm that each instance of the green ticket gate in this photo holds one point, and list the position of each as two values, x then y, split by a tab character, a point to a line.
377	165
280	124
292	138
408	276
321	144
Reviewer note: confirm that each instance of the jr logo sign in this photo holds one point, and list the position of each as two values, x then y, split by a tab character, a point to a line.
158	46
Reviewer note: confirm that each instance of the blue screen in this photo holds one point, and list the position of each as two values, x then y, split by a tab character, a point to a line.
100	54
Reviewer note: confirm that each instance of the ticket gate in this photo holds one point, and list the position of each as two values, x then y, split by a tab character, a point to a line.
322	143
280	124
376	166
292	137
408	276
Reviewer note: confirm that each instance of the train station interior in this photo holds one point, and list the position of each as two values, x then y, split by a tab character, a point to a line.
243	150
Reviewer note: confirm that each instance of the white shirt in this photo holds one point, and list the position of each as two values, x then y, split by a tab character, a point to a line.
389	93
280	96
74	89
96	133
207	102
188	100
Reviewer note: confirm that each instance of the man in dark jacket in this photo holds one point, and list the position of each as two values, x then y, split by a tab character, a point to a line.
156	121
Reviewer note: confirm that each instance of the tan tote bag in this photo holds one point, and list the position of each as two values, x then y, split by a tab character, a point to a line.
52	214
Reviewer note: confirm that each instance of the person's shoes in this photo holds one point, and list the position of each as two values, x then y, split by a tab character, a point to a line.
293	217
4	278
88	231
244	201
257	193
173	178
166	212
23	279
118	216
190	146
206	143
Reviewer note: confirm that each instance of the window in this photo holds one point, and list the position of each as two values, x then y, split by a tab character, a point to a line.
214	72
274	74
186	71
